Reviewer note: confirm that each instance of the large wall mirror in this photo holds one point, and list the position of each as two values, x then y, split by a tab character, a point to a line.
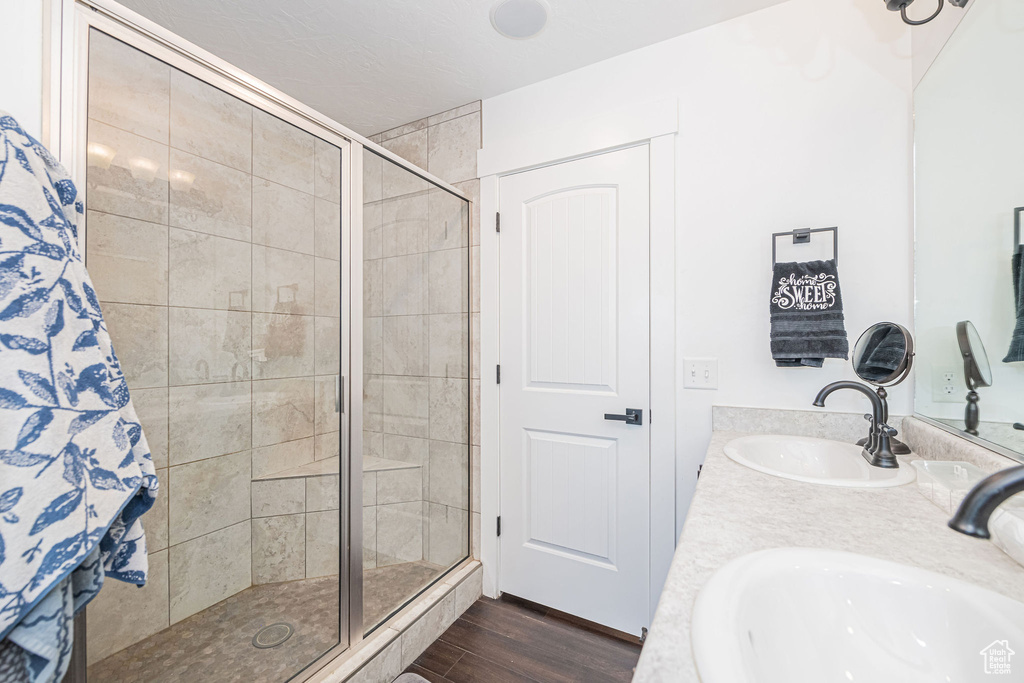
969	159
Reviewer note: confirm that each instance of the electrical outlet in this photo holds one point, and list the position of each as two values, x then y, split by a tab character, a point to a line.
700	373
945	388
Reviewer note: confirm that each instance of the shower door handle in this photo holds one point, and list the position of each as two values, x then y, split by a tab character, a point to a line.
339	394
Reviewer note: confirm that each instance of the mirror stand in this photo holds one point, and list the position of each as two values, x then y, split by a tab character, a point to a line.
972	415
977	372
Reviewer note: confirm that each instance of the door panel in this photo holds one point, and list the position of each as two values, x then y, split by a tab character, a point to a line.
571	247
569	488
574	345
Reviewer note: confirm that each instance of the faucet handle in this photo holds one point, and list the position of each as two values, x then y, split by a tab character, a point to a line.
883	456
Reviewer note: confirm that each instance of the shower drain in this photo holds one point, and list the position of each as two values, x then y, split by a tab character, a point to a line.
273	635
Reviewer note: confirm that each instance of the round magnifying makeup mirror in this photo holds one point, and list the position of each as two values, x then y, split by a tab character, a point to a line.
884	354
977	371
883	357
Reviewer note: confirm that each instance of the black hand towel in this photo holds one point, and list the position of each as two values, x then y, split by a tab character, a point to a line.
807	314
1016	353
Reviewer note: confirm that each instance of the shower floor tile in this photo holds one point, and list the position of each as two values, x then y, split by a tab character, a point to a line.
385	589
216	644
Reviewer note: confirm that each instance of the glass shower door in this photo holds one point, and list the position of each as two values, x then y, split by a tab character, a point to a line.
213	236
416	351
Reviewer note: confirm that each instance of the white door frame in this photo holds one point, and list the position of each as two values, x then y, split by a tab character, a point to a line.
653	124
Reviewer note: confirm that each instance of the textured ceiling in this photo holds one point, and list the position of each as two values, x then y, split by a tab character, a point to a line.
375	64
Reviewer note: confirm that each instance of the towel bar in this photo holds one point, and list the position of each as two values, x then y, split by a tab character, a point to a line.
1016	227
803	236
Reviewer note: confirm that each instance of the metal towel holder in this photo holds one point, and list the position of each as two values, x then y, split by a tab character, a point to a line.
1016	228
803	236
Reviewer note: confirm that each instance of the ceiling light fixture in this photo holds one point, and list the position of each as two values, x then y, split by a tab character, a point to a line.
901	7
519	19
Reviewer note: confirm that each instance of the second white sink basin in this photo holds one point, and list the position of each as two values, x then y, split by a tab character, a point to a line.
816	461
794	615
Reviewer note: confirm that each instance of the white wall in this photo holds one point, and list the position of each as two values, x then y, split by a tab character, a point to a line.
928	40
797	115
21	57
970	146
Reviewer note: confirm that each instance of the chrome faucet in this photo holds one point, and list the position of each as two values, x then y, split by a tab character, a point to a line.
972	516
878	449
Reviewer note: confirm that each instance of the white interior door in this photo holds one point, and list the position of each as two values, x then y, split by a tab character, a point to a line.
575	346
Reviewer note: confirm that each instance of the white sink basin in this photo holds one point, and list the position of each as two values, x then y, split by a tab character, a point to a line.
796	615
817	461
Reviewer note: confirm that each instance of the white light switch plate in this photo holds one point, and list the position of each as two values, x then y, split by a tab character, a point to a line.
700	373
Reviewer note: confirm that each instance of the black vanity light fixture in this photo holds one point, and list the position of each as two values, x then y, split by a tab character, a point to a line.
902	5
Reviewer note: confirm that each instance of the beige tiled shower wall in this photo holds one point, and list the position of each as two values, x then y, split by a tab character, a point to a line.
446	145
295	527
416	338
213	235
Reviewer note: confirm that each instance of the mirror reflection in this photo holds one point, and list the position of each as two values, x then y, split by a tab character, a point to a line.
977	372
883	353
969	185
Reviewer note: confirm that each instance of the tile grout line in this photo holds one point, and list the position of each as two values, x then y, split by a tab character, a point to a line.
252	174
171	226
426	126
233	310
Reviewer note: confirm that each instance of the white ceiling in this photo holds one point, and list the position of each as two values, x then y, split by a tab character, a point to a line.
375	64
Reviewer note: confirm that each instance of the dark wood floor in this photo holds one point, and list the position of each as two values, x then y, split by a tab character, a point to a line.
509	641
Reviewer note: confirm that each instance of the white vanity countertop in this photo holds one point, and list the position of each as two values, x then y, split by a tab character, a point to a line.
736	511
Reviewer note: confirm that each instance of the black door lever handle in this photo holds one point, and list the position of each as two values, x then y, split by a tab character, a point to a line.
632	417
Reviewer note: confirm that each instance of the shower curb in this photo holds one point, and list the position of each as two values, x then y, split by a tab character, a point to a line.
397	643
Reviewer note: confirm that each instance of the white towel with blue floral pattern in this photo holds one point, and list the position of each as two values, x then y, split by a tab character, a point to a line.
75	469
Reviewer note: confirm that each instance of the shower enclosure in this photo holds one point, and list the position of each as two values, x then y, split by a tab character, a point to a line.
214	240
415	384
224	229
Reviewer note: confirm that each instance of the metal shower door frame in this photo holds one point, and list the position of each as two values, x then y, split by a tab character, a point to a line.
69	139
67	24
